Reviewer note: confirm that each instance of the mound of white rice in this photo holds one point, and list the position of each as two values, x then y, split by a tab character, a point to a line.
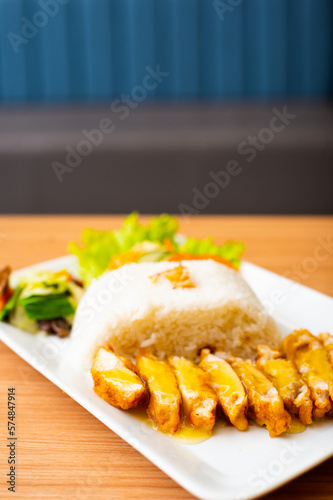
126	310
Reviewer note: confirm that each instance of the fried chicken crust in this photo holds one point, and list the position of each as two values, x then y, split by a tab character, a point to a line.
199	398
116	380
327	341
311	360
165	399
231	394
265	403
287	381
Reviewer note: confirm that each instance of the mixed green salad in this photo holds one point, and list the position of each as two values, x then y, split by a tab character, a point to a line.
42	300
45	300
135	242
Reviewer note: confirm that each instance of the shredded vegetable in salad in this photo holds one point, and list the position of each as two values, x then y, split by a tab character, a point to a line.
43	300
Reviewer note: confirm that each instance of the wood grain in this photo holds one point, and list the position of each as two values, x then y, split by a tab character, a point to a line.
63	451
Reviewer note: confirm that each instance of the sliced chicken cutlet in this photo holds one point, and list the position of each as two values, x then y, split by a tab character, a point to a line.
327	340
287	381
228	387
165	399
116	380
311	360
265	403
198	396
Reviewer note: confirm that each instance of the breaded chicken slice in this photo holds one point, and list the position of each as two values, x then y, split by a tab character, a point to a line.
116	380
265	403
165	399
327	340
311	360
230	391
198	396
287	381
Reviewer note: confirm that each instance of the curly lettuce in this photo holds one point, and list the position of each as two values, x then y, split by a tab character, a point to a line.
98	247
230	251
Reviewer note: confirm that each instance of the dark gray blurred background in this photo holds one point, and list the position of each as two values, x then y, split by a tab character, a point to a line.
154	159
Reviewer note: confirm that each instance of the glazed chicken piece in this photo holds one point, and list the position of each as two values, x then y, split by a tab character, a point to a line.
165	399
327	340
287	381
265	403
311	360
116	380
231	394
198	396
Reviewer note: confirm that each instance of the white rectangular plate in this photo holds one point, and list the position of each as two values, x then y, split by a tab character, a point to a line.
231	465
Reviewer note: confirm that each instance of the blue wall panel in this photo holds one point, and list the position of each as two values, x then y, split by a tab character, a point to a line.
166	49
299	47
232	57
122	47
210	51
33	51
12	53
100	49
55	64
186	32
275	47
79	62
143	39
254	48
320	55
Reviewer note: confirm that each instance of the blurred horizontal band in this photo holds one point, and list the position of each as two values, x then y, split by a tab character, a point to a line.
161	157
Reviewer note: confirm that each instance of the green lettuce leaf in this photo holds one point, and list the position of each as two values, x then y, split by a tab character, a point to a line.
39	307
231	250
99	246
11	303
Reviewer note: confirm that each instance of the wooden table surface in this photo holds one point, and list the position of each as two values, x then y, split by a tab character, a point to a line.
66	453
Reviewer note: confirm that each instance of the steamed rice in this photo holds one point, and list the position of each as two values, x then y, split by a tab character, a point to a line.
126	310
